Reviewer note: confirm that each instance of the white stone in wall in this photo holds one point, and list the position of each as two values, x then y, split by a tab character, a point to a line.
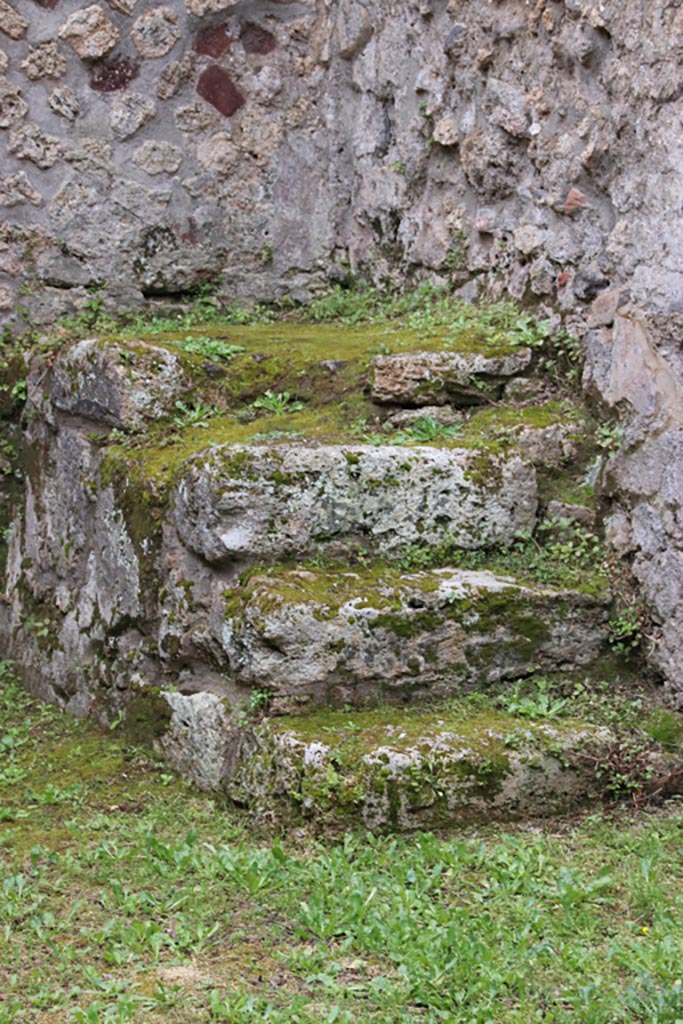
18	189
197	117
174	76
90	33
123	6
13	106
218	154
446	130
201	7
73	200
44	61
6	297
30	143
156	32
64	102
11	22
4	61
158	157
90	155
130	112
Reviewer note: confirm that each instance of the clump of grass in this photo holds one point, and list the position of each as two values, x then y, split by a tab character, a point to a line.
431	309
212	348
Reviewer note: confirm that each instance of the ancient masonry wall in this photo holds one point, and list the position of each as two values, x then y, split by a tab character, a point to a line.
529	146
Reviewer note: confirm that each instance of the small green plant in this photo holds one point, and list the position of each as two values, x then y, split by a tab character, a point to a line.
277	403
456	257
212	348
626	630
426	429
533	700
609	436
19	391
565	358
193	415
259	701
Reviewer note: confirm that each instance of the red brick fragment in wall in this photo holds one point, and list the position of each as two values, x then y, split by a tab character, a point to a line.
112	75
213	42
217	87
575	201
255	39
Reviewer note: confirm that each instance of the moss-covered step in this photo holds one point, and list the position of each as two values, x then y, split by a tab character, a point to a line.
237	502
400	770
335	638
426	378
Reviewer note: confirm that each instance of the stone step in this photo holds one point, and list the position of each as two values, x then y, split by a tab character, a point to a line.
349	638
241	502
391	769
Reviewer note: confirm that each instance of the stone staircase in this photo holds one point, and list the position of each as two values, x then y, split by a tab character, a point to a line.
281	554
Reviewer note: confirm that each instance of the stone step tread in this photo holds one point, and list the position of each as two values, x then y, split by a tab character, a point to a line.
530	428
403	769
313	638
128	383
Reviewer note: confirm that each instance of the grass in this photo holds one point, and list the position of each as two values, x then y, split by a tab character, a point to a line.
128	897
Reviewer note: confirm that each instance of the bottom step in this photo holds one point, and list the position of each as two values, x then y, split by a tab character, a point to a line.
400	770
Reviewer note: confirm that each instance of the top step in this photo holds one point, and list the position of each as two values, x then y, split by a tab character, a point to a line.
128	383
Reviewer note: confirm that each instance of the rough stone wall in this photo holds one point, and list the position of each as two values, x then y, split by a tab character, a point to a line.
528	146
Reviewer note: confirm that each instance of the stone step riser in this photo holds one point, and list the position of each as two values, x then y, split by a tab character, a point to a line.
242	502
301	637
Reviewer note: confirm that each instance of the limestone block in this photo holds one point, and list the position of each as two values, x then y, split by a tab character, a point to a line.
436	378
336	638
174	76
202	7
446	131
90	32
123	6
195	118
92	381
198	739
403	772
239	501
218	154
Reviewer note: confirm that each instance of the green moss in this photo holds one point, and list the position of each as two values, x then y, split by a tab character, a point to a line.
484	471
665	727
406	626
147	718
